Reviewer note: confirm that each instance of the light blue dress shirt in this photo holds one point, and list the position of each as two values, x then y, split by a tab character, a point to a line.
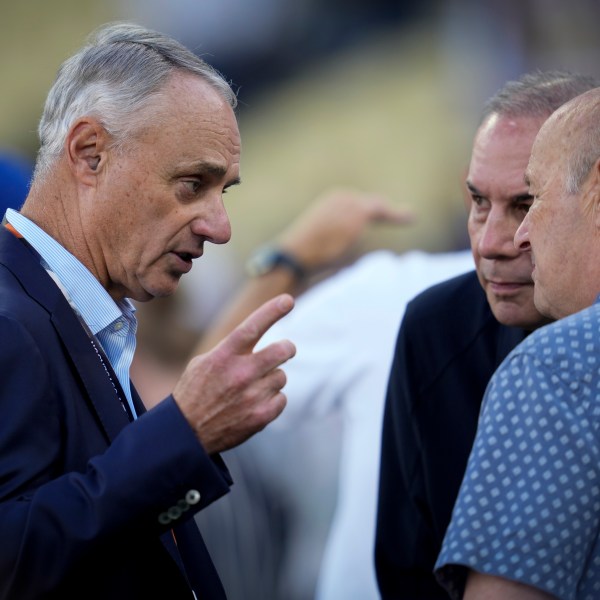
113	323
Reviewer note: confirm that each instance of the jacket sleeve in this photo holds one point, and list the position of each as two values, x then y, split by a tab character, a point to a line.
153	475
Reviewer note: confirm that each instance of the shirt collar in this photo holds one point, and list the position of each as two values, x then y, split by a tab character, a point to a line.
83	290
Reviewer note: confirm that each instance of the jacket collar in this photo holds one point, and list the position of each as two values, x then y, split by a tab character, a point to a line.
25	266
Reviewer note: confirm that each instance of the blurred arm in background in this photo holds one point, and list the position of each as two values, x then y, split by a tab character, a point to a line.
321	237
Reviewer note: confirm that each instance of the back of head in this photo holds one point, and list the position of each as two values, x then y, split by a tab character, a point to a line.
118	73
537	94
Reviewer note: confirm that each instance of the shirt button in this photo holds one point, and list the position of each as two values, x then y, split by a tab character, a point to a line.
118	326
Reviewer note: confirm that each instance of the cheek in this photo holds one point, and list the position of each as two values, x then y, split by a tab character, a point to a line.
143	209
474	231
141	255
542	238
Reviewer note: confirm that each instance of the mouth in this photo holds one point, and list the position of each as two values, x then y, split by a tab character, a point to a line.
185	259
186	256
507	288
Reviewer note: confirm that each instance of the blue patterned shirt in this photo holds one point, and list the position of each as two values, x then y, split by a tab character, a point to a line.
113	324
529	505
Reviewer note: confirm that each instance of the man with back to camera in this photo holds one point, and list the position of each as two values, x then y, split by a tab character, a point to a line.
453	337
526	521
139	142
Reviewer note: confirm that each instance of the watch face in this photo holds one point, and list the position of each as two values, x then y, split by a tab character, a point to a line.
262	261
267	258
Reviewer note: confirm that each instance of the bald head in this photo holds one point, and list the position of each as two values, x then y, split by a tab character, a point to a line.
574	129
562	227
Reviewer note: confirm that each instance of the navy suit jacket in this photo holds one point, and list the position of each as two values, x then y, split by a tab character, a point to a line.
81	487
448	347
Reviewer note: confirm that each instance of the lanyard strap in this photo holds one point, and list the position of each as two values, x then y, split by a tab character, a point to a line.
12	229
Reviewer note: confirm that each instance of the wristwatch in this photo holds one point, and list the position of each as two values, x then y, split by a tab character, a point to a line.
267	258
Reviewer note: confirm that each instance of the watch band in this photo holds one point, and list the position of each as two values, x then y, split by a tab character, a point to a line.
267	258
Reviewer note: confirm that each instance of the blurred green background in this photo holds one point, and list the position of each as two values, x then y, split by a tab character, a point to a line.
382	96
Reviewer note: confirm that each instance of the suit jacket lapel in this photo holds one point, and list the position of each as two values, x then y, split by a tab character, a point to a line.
103	395
25	266
39	285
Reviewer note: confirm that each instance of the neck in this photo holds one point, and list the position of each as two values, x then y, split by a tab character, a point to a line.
57	213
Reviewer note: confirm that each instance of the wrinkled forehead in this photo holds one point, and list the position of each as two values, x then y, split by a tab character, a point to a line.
191	115
500	155
547	169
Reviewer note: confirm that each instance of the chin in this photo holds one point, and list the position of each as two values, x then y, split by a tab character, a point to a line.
555	311
157	290
162	292
511	315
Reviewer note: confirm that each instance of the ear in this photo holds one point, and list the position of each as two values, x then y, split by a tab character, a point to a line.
86	149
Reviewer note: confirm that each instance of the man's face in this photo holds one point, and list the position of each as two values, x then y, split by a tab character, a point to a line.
559	231
499	200
160	198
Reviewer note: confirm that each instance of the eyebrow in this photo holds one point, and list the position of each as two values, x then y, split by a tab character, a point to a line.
214	170
233	182
517	198
473	189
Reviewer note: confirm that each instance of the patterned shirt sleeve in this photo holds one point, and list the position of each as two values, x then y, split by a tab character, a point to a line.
529	506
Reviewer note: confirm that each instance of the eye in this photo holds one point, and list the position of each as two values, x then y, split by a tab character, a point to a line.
192	185
480	208
480	204
524	205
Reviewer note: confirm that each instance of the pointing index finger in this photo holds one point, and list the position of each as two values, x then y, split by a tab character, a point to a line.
246	335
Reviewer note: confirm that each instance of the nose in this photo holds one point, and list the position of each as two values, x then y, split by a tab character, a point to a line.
212	222
496	239
522	235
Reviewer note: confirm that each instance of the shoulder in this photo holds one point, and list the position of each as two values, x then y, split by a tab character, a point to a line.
583	325
569	346
16	302
447	293
457	302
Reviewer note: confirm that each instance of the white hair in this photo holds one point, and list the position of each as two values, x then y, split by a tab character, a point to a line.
121	69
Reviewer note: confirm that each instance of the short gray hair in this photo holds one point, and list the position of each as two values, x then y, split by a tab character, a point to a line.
537	94
121	69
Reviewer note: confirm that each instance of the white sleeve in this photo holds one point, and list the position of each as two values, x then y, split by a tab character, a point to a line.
349	322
